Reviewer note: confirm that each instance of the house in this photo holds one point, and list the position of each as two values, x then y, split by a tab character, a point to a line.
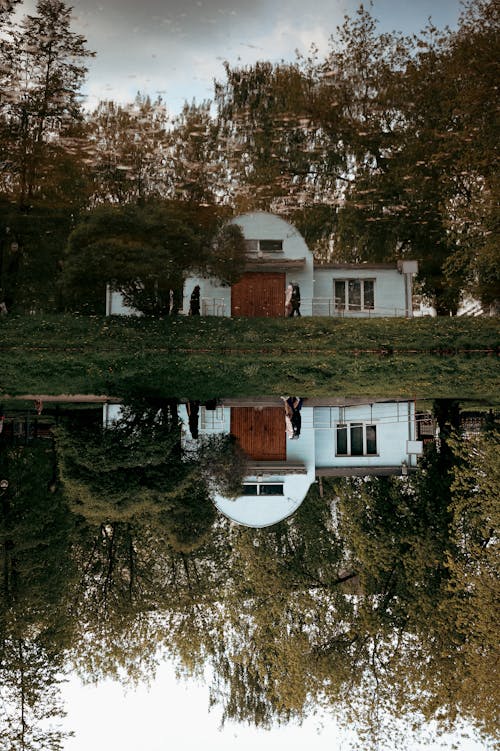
338	438
277	255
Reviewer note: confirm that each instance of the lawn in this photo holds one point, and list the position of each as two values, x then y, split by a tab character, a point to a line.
208	357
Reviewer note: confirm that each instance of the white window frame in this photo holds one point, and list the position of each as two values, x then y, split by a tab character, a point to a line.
261	483
253	246
212	419
347	305
348	425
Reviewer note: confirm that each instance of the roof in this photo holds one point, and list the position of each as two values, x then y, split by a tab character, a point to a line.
274	264
356	266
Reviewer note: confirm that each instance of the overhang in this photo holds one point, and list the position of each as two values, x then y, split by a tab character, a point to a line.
275	264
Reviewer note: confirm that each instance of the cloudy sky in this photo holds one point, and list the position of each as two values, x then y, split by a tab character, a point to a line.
177	47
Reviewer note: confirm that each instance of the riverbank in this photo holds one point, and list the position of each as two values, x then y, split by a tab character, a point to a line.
207	357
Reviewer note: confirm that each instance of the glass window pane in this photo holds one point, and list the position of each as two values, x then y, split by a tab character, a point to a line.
368	295
356	440
271	246
271	489
354	299
249	489
342	439
339	292
371	439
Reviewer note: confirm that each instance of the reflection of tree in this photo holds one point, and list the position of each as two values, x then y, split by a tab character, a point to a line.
36	574
145	526
375	602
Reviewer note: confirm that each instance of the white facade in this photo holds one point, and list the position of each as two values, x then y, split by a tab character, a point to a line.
369	290
378	438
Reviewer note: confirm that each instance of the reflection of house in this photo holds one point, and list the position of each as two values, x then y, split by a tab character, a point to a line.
357	439
277	256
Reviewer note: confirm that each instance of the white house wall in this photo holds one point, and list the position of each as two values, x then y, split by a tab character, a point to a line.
389	290
315	450
260	225
392	289
395	423
115	305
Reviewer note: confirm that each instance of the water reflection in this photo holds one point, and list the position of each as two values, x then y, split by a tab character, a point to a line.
370	592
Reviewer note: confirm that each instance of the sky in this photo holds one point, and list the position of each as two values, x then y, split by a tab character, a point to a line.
173	715
176	48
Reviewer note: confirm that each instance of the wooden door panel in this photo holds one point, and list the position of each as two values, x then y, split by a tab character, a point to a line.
259	294
260	432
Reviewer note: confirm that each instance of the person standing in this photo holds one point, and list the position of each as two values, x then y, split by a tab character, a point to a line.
295	300
293	419
288	301
194	303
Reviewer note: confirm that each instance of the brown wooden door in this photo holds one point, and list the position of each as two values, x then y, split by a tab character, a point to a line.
260	432
259	295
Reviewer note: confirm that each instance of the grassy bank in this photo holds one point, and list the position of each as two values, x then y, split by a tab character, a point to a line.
206	357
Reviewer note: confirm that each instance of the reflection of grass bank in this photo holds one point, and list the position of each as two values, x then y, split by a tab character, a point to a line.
202	358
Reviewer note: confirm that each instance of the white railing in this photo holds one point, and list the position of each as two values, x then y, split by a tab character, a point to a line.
316	306
326	306
213	306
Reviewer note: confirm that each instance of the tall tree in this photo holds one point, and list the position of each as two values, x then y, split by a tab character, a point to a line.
271	151
195	156
41	153
37	580
45	60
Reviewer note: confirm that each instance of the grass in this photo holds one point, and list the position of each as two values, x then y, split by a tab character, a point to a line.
207	357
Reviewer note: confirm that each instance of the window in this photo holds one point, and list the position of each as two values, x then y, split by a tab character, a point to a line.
254	247
354	294
356	439
263	488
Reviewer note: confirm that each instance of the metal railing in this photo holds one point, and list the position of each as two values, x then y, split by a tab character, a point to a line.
315	306
213	306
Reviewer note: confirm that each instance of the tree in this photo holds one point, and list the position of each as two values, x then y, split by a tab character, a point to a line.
195	156
128	151
46	67
36	584
42	178
145	251
271	151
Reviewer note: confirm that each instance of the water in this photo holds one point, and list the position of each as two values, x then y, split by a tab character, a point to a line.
340	567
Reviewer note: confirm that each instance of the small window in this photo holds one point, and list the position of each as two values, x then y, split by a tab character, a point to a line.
251	246
271	246
273	489
371	439
250	489
368	295
263	488
354	294
356	440
340	295
342	440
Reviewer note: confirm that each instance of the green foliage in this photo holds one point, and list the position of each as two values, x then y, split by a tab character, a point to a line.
145	251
